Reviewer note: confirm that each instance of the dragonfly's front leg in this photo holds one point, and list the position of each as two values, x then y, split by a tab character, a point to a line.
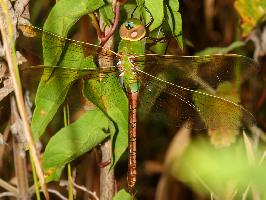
121	75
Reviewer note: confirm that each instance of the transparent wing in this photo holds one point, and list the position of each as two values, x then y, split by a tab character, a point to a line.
69	72
58	50
181	89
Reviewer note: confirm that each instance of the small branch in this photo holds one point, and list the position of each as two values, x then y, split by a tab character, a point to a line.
19	157
57	194
107	181
115	24
33	191
64	183
106	175
7	194
8	187
83	188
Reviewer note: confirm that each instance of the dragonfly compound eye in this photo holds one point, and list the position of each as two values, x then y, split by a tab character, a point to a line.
132	30
129	25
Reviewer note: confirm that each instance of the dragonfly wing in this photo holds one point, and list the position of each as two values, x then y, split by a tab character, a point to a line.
69	72
58	50
208	71
181	83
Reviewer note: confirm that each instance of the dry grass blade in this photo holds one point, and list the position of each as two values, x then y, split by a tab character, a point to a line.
252	161
249	149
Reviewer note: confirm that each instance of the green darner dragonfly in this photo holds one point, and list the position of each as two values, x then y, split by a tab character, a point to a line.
195	92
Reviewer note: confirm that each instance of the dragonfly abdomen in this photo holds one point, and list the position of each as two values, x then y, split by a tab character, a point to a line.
132	140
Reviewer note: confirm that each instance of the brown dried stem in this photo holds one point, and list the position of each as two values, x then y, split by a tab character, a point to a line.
8	187
19	158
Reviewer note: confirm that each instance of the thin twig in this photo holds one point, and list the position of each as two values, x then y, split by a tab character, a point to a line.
19	157
83	188
8	187
9	46
56	193
7	194
115	24
70	185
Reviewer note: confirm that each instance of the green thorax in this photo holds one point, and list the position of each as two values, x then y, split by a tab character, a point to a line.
132	33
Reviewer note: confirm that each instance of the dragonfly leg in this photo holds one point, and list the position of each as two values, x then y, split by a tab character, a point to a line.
132	14
151	18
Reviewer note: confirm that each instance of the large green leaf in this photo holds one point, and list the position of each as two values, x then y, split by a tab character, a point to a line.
54	86
151	9
61	18
50	95
107	14
174	20
74	140
156	9
107	94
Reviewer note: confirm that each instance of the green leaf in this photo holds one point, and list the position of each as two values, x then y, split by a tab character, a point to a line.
250	12
74	140
221	50
66	13
129	8
157	47
174	20
156	9
107	94
62	17
122	195
50	95
54	85
107	14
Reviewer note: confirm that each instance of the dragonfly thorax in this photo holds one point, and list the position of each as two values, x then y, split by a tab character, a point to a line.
127	76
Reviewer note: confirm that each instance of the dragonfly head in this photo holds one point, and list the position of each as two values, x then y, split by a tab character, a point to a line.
132	30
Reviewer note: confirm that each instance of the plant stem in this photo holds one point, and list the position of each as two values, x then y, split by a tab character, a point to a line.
107	181
36	184
106	175
70	179
8	187
19	159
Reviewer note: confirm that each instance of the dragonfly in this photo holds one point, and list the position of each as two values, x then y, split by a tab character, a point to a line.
152	79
